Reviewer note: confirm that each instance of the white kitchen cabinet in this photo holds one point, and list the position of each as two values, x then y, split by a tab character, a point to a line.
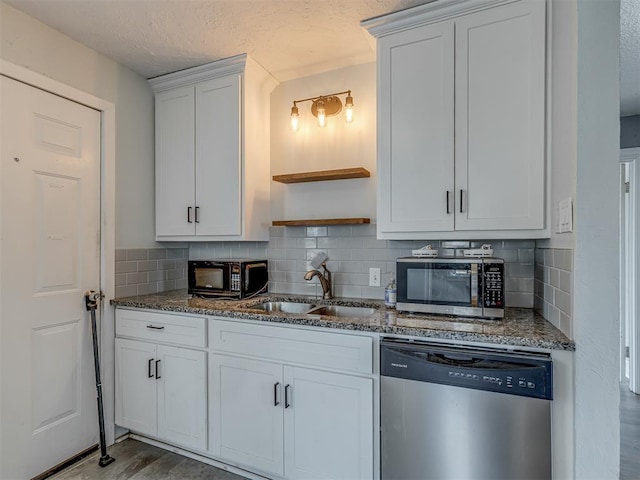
461	118
161	390
246	406
291	421
212	152
327	425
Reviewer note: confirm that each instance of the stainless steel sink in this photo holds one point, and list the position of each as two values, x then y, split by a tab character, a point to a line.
342	311
284	307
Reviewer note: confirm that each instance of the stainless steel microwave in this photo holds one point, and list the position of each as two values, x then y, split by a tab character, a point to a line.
229	278
470	287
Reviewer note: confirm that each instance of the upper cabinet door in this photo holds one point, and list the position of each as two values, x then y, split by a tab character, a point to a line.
175	155
416	130
218	156
500	107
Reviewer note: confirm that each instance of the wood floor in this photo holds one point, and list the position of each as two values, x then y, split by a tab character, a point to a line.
139	461
629	434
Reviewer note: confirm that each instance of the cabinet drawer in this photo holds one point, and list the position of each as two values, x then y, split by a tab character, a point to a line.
352	353
161	327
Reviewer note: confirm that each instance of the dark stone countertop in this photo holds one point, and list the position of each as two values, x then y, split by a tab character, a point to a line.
520	327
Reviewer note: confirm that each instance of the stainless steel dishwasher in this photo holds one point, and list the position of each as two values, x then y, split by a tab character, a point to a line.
450	412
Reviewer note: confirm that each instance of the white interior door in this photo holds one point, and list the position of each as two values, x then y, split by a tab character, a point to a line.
50	181
629	268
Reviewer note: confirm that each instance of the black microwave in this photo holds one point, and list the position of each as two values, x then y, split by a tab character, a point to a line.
470	287
228	278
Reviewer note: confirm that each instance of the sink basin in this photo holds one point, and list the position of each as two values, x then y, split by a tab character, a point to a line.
342	311
284	307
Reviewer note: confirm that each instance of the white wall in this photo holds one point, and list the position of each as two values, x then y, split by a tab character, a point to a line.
562	87
33	45
596	324
337	145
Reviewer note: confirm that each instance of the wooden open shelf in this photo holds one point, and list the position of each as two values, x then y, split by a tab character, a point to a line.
340	174
320	221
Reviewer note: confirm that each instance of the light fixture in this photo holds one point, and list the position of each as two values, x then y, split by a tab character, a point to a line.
324	106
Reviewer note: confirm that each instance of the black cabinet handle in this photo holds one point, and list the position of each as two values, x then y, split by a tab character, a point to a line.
287	404
149	368
158	369
461	210
153	327
448	209
197	214
275	394
189	215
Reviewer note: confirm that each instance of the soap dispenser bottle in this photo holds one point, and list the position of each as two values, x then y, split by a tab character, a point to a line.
390	293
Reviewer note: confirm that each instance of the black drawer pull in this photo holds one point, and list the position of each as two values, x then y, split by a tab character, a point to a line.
158	369
189	215
276	402
149	368
153	327
287	404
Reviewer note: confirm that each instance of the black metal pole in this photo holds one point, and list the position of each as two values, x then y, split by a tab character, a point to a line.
91	300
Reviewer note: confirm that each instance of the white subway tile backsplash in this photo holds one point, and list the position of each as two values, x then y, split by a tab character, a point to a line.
317	231
147	265
553	287
126	267
144	271
352	250
563	259
307	243
137	254
565	281
340	231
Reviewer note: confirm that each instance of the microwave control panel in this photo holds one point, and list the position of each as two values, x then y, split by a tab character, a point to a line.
493	285
235	278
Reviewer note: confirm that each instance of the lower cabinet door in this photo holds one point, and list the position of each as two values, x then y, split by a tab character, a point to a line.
135	386
328	424
247	398
181	376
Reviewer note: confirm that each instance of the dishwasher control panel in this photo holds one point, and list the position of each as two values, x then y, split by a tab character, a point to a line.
515	374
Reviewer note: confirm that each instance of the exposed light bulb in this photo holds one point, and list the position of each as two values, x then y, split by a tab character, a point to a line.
321	113
348	103
294	118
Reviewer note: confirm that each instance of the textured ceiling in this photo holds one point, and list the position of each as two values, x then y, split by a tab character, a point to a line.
290	38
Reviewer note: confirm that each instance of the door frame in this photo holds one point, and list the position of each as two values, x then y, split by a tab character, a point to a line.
107	221
630	272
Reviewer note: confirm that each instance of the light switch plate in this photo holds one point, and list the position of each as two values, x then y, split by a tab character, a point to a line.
565	215
374	277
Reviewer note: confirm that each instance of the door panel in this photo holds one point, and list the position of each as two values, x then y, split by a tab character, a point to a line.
136	404
175	157
218	157
246	423
56	232
500	100
416	130
328	425
50	187
54	401
182	396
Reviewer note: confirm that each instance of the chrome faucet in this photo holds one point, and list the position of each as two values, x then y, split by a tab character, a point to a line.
325	280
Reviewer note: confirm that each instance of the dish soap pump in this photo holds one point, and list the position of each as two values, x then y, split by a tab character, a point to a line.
390	293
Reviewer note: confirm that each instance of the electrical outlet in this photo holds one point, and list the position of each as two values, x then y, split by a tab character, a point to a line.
374	277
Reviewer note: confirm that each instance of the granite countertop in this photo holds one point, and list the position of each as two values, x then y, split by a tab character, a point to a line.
520	327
